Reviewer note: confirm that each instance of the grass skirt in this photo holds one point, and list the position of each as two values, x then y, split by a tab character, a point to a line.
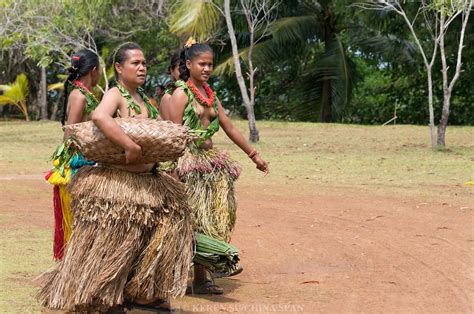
209	176
132	238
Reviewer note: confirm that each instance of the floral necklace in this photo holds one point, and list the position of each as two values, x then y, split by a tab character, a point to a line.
201	100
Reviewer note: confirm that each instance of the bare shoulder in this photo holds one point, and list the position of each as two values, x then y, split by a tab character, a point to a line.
75	96
112	96
179	92
113	93
166	97
179	97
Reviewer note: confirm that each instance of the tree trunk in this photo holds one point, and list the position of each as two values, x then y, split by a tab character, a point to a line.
443	122
430	108
329	34
106	80
42	93
54	110
238	73
253	131
326	102
448	86
253	134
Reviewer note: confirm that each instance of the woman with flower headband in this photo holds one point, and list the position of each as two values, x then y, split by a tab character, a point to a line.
208	173
79	102
132	238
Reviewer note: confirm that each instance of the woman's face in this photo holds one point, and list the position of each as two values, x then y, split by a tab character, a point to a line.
95	76
201	66
175	72
133	70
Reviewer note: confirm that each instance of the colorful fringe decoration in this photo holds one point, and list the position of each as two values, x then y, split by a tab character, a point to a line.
132	238
208	162
58	244
62	210
66	212
209	177
59	177
78	161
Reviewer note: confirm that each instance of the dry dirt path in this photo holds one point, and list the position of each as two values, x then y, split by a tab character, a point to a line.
322	249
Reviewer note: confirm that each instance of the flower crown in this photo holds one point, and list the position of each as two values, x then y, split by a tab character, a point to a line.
189	43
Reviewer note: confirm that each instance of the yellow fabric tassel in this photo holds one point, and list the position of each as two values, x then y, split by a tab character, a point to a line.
57	179
67	213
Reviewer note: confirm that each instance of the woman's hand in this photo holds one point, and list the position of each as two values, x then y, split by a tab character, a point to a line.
133	153
261	164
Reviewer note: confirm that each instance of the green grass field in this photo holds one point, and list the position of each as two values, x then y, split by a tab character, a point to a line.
392	157
303	157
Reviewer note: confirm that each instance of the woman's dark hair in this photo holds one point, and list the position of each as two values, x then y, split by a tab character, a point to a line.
120	54
175	60
82	62
189	54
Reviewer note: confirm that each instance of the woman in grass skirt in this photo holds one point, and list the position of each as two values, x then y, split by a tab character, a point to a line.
132	239
209	174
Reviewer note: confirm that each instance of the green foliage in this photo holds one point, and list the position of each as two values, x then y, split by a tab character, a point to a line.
197	18
370	59
448	7
16	94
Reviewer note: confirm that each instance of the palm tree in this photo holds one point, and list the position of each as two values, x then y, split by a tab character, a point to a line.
16	94
197	18
301	25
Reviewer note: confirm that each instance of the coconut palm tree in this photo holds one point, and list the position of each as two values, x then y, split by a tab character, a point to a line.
16	94
329	80
301	25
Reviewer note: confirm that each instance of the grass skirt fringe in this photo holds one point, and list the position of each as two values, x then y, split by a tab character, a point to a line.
132	239
209	177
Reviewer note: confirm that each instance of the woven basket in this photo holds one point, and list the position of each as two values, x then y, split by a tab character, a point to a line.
159	140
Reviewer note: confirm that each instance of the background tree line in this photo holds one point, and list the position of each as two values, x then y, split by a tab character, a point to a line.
327	61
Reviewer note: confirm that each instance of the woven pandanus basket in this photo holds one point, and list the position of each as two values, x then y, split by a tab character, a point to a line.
159	140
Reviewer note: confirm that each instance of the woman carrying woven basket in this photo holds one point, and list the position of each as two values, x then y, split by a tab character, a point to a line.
209	174
79	102
132	239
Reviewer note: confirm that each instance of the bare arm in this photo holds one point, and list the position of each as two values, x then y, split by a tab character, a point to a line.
179	99
234	134
76	103
103	118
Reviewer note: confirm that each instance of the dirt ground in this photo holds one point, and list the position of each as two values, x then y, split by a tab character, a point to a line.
312	248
